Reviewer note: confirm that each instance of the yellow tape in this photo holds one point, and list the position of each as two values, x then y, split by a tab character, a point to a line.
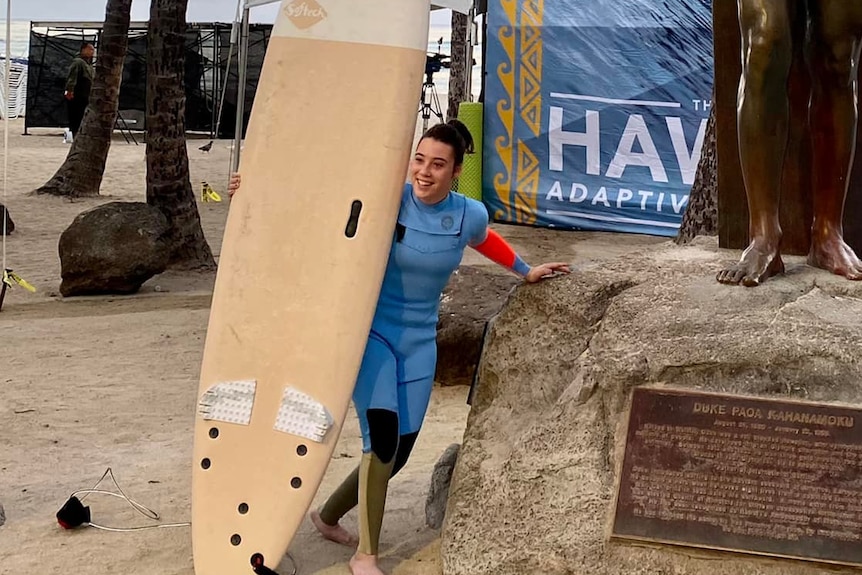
9	277
208	194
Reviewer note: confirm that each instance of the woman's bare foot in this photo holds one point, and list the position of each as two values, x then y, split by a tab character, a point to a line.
759	262
335	533
833	254
362	564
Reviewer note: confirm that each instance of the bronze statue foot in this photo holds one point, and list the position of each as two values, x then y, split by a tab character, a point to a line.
755	267
834	255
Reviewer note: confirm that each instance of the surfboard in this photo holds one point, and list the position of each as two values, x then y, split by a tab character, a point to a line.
304	251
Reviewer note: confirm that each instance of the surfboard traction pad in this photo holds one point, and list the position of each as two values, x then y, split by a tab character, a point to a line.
299	414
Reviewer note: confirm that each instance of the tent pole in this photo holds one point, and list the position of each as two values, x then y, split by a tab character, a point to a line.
483	79
471	41
242	62
223	81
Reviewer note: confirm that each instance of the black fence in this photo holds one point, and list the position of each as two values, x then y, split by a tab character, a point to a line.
207	76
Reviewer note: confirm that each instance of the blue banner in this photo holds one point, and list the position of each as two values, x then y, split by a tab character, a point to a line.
596	112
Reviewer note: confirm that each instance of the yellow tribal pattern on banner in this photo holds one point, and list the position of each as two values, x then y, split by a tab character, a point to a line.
517	188
506	109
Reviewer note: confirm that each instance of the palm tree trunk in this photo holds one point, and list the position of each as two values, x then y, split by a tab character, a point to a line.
81	173
460	67
701	214
168	185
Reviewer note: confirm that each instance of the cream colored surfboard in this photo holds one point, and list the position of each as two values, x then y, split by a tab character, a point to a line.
304	251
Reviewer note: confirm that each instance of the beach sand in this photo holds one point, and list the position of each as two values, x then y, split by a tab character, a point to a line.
111	381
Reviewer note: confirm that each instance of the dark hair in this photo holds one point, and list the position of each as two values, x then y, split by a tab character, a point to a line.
455	134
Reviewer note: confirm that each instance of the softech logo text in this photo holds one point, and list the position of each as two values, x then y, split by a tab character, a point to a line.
305	13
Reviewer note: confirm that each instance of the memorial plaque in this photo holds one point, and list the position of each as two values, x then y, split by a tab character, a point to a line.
735	473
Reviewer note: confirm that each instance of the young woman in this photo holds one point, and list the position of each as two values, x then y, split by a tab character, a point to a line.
395	380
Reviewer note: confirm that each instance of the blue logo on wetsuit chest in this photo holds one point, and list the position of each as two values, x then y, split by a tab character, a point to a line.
447	222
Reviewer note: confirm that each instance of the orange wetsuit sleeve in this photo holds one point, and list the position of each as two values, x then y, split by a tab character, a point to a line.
496	249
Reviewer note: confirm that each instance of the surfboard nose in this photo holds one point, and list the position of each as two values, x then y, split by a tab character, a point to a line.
391	23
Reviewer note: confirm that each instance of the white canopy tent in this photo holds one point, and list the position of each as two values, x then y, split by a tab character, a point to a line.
462	6
242	21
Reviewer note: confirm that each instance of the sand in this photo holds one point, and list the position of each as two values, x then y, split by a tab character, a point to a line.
110	382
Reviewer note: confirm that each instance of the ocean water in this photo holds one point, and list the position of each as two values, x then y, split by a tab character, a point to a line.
20	41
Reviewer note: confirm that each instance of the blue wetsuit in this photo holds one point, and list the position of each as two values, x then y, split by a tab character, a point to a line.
397	373
398	368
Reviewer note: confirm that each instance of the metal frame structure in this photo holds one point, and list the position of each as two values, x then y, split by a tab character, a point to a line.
239	43
210	45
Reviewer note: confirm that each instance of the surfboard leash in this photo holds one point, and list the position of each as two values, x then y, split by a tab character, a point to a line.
75	514
257	565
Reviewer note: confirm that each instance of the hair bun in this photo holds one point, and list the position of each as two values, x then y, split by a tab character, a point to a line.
453	133
464	131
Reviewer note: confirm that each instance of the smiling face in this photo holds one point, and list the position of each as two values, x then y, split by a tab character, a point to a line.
432	170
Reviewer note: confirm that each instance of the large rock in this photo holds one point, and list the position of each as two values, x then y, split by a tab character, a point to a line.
10	225
534	484
438	491
113	249
471	298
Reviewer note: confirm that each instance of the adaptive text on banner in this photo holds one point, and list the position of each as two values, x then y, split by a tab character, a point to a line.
636	157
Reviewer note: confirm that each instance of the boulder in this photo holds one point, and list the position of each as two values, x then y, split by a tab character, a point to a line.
113	249
472	297
438	493
534	485
10	225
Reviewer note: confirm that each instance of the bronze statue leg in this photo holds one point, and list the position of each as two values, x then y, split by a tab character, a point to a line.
767	52
833	58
